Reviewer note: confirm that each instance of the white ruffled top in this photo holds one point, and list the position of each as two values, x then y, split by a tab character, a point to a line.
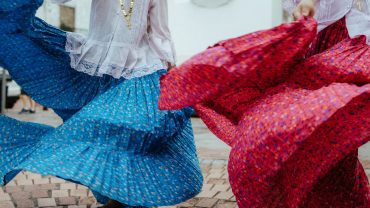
357	13
111	48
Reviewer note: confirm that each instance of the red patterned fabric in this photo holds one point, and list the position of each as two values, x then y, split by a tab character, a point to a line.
294	128
228	63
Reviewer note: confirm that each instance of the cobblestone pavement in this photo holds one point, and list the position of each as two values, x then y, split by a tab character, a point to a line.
30	190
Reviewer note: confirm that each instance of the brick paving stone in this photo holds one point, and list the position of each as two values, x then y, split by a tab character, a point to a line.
66	186
24	182
225	176
67	201
31	188
207	162
59	193
207	194
51	186
217	181
224	195
56	180
227	205
207	187
40	194
79	206
12	189
21	176
40	181
6	204
54	207
25	203
366	164
219	163
11	183
87	201
95	206
33	175
188	203
82	187
193	201
217	170
219	187
205	169
46	202
206	202
5	197
21	195
79	193
184	205
215	175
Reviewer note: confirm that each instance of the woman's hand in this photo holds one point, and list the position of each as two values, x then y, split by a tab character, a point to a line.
305	9
170	66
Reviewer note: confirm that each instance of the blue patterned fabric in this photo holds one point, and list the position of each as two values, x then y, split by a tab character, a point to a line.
114	139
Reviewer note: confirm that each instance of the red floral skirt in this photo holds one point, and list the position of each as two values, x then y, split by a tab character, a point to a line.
294	124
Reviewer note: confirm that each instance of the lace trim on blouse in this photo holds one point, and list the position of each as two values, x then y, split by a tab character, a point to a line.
77	43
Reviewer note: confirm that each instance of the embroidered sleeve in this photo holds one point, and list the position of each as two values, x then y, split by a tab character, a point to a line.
159	32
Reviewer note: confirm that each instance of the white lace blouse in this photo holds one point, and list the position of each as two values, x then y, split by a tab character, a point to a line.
357	13
113	49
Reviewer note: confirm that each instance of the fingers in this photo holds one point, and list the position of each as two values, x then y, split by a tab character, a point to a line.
312	12
303	11
297	13
308	11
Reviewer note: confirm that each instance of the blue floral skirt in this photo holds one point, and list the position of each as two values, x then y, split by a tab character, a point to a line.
114	139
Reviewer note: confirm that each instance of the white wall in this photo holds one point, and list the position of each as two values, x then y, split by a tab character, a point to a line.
50	13
194	28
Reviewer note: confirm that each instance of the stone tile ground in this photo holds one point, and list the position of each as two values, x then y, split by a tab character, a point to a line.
29	190
32	190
